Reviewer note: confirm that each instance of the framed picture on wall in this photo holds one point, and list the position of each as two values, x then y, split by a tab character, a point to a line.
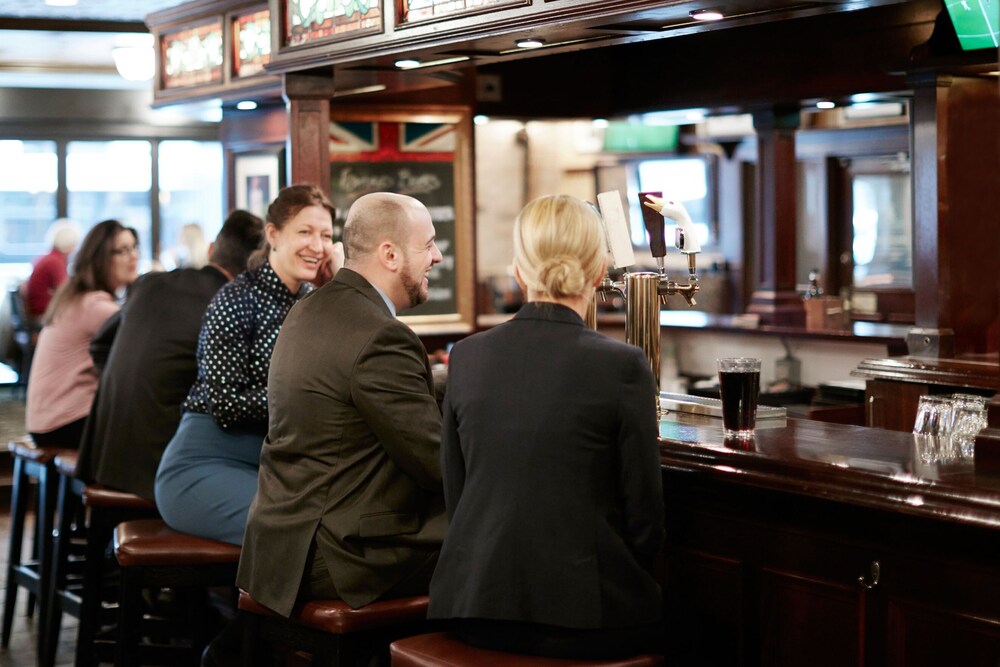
257	177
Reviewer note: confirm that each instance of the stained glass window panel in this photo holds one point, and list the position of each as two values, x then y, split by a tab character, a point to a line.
311	20
419	10
192	57
251	43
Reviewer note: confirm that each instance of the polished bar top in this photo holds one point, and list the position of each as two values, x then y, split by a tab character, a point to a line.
851	464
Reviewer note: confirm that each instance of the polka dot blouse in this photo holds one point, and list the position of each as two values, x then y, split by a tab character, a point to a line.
234	348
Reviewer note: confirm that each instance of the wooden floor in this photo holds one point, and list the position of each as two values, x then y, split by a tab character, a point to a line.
22	650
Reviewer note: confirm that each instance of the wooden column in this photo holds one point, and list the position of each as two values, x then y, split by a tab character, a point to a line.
955	161
308	97
775	298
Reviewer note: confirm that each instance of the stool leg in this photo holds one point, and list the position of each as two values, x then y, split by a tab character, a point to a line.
46	509
67	506
98	536
19	497
129	618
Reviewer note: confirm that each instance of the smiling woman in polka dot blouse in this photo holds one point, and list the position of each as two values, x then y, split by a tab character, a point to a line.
208	474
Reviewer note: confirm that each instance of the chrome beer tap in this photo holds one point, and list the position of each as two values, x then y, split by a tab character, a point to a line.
644	291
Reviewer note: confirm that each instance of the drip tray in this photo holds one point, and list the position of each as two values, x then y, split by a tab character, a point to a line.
710	407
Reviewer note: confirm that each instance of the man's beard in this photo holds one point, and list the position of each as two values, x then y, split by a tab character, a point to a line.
414	290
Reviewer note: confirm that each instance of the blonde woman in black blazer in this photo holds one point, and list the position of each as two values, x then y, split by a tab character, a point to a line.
550	464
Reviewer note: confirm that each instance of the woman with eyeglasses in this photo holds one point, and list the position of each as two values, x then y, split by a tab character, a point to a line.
63	378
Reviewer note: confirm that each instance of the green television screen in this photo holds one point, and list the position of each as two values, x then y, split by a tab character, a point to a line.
976	22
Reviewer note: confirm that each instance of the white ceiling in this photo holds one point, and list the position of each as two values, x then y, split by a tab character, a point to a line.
67	58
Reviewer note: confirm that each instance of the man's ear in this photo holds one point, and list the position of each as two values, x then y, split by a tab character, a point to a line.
388	255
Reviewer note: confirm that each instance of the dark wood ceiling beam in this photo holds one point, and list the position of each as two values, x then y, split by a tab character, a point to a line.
71	25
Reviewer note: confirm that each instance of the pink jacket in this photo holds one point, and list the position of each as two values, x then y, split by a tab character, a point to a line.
63	378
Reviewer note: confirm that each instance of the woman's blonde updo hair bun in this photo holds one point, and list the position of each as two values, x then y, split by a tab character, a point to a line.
559	246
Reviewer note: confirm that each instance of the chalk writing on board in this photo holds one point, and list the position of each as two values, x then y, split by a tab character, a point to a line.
433	184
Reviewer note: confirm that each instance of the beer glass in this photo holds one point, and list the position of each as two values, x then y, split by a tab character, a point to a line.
739	385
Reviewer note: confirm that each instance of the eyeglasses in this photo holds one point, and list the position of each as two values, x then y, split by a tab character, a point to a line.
126	250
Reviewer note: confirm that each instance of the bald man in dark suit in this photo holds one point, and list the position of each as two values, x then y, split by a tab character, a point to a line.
349	501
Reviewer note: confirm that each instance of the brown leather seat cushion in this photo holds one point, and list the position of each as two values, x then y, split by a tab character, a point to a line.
441	649
149	542
337	617
96	495
25	448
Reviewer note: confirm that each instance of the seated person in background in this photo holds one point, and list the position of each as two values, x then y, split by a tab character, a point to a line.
550	464
51	270
63	378
149	347
208	473
349	503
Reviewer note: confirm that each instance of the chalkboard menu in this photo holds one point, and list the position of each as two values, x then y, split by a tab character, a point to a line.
431	183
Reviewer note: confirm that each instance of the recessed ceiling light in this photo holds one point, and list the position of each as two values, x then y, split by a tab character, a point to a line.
600	123
480	119
706	15
530	43
246	105
407	63
61	3
825	104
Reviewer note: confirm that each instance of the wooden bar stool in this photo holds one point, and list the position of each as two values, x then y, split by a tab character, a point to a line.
153	555
442	649
333	632
82	596
30	462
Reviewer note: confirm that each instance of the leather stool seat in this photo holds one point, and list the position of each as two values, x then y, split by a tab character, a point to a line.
442	649
333	632
153	555
150	542
96	495
338	617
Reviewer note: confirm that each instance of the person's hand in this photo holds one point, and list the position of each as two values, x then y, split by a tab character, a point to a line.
329	268
654	202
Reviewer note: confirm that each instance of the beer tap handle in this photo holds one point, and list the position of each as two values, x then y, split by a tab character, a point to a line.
653	223
686	237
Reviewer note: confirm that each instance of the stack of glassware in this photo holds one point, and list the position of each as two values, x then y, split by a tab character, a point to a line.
946	426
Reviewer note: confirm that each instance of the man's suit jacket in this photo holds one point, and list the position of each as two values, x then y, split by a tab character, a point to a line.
351	455
551	475
149	369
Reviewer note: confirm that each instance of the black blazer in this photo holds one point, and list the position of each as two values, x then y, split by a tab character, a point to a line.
552	477
150	368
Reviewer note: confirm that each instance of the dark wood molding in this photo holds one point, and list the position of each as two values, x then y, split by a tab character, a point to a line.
71	25
955	193
775	298
975	373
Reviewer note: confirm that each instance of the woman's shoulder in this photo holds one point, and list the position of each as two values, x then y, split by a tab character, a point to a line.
93	308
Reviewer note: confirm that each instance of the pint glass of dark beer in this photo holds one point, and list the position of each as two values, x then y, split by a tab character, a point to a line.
739	384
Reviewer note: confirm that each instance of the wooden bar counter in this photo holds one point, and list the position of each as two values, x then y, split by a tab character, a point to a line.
825	544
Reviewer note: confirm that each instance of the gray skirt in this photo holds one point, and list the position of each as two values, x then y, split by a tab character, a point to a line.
207	479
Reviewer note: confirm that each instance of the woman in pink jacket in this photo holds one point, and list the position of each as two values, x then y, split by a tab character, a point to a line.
63	378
